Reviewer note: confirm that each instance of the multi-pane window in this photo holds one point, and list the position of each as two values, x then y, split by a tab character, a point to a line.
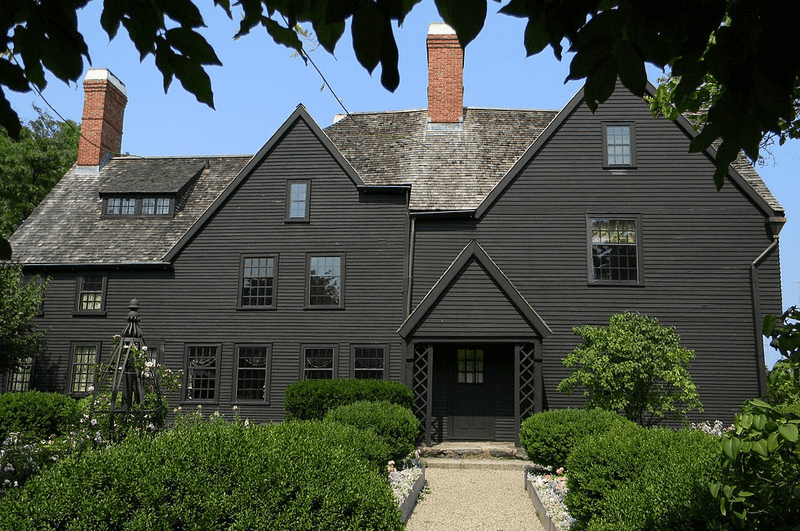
325	281
90	292
20	379
297	200
619	145
128	206
614	255
258	281
84	358
469	365
202	372
318	363
251	373
156	206
114	206
368	362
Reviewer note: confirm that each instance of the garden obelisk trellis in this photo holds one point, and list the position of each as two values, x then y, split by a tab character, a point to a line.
130	373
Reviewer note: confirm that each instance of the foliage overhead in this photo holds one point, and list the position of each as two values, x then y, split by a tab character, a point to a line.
20	300
31	167
633	365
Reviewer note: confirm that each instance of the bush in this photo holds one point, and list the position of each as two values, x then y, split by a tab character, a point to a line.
35	415
312	399
549	437
212	475
396	425
643	479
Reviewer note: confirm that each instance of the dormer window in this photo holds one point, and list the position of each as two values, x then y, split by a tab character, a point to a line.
138	206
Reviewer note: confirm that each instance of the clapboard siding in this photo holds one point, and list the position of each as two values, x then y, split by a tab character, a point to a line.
194	302
697	245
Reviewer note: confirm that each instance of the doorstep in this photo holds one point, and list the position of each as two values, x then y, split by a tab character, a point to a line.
474	454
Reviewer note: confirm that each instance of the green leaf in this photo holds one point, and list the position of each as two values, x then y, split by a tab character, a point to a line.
192	45
631	68
760	447
464	16
788	432
746	420
367	30
759	421
772	442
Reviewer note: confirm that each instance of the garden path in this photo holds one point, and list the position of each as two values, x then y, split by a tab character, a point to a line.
474	494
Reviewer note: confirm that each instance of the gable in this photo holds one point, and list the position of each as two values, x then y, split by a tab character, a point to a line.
473	298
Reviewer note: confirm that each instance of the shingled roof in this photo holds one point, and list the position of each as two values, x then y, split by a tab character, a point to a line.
67	227
450	167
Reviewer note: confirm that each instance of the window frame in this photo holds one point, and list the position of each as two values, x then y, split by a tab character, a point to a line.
77	310
20	379
240	290
335	365
384	370
185	399
637	219
74	345
342	270
267	374
632	135
138	206
307	214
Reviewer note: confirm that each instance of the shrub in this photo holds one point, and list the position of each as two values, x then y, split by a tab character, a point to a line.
633	365
548	437
396	425
35	415
212	475
312	399
643	479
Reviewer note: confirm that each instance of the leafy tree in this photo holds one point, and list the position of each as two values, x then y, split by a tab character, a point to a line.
759	483
633	365
31	167
20	301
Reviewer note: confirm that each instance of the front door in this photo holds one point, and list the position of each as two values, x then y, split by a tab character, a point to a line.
472	397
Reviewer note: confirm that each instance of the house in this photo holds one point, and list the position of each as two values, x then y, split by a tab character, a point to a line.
451	248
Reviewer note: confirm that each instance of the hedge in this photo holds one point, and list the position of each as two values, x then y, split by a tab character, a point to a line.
632	478
396	425
213	475
548	437
35	415
312	399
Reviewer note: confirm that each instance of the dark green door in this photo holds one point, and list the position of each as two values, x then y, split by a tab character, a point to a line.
472	403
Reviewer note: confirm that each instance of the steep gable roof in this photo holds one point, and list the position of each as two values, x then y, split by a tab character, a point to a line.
68	228
473	252
450	167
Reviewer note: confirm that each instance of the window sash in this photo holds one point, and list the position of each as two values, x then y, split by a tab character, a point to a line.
202	373
19	380
368	363
619	145
325	281
258	281
84	358
470	366
297	200
252	373
614	251
90	293
318	363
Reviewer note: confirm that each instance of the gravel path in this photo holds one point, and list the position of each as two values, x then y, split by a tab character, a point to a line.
467	499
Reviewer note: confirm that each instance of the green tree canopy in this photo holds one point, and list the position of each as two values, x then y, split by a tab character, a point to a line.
20	300
31	167
633	365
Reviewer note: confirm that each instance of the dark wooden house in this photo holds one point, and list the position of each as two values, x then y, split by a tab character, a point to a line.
451	248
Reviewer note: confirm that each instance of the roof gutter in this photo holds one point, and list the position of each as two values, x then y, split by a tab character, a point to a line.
774	225
443	213
118	265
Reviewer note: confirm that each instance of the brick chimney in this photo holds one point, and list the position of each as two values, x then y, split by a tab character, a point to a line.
103	111
445	74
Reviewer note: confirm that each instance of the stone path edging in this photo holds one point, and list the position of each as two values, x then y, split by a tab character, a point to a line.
537	502
407	506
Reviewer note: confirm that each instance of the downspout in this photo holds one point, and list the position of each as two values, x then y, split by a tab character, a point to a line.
774	225
410	279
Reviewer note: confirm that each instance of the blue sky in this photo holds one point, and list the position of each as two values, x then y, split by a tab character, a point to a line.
260	84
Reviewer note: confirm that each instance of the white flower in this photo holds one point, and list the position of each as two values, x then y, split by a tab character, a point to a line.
144	348
91	389
9	468
94	422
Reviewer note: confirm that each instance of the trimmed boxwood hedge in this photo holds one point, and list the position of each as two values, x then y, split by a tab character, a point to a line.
548	437
312	399
632	478
396	425
213	475
36	415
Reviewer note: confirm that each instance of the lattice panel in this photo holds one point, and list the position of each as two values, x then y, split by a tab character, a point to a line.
419	383
527	382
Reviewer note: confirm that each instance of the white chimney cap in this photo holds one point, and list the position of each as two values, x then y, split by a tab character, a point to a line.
440	28
104	73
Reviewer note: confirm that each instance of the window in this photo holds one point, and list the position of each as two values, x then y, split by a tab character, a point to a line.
252	373
369	363
325	281
619	145
614	250
156	206
91	293
84	358
128	206
20	379
318	363
298	194
113	206
258	282
202	373
470	366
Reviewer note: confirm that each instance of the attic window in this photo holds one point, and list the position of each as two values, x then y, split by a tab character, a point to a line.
298	194
619	145
138	206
